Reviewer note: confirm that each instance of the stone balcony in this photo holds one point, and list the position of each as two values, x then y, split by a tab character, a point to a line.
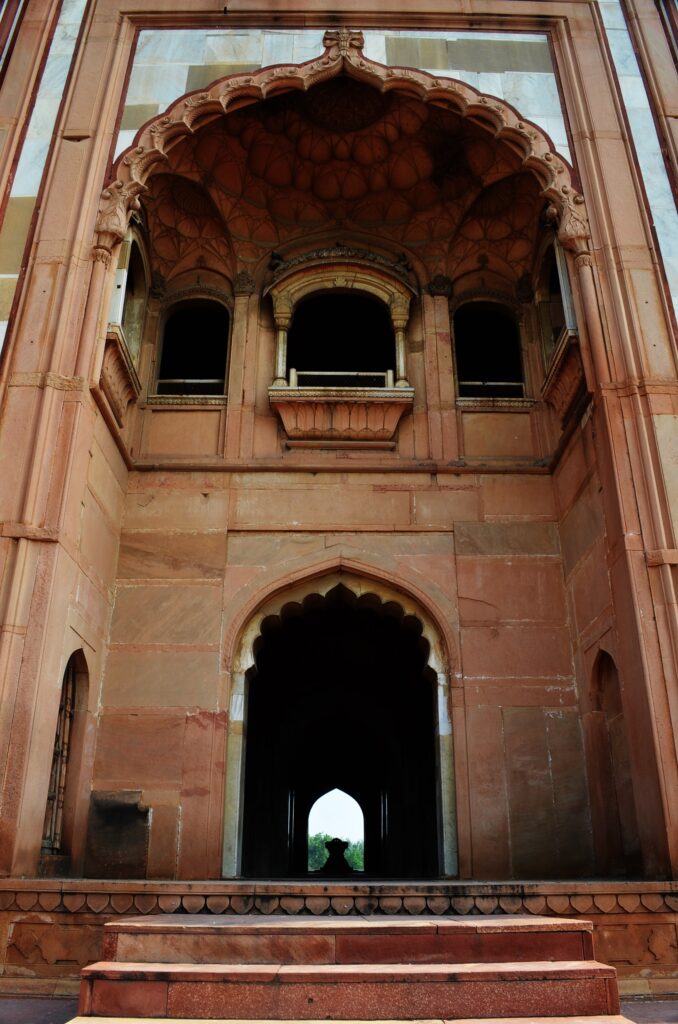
341	417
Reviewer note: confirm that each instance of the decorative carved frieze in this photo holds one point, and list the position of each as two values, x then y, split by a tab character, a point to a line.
119	381
341	414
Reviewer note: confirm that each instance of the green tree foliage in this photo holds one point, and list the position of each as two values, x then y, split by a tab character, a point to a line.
317	854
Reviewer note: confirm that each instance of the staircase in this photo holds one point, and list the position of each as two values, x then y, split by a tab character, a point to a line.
194	968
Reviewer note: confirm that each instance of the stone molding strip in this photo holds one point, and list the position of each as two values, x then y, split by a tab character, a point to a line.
121	898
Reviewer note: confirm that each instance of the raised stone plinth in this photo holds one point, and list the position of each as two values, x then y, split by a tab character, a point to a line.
226	939
330	968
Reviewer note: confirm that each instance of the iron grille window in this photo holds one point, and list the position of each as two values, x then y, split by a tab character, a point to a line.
51	835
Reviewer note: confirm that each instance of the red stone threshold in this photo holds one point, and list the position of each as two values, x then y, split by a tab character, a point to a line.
599	1019
194	938
358	992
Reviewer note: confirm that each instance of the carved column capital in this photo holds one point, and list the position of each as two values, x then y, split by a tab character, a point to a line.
440	285
116	204
243	283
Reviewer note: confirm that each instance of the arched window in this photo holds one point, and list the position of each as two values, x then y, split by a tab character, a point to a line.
130	296
336	815
487	351
341	339
62	793
194	349
554	302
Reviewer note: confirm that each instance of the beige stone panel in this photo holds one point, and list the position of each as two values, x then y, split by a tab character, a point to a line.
167	615
105	485
171	555
19	408
162	846
487	793
445	507
265	549
7	290
182	433
581	527
137	114
166	510
507	539
590	583
499	590
624	212
14	232
98	539
524	497
323	507
657	347
571	473
136	750
523	693
161	679
573	836
666	429
532	811
497	433
519	651
111	452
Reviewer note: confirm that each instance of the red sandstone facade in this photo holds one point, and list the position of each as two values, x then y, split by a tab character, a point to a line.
179	534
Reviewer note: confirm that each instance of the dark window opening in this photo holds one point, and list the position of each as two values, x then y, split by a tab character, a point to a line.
340	339
136	297
194	349
552	318
487	349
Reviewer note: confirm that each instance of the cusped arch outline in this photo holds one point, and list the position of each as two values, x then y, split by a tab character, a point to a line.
343	54
244	659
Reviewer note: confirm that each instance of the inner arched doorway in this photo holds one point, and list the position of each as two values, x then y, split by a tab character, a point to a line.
344	689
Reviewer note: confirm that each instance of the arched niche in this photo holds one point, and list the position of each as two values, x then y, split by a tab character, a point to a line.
615	825
384	601
62	845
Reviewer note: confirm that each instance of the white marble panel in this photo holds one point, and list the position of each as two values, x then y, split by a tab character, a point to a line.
125	139
3	331
491	84
375	46
532	94
645	139
157	83
177	46
613	16
30	167
307	46
278	48
234	47
72	12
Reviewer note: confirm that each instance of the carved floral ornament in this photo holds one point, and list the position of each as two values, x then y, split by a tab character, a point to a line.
343	55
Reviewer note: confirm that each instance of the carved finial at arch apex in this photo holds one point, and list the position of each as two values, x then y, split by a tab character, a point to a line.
118	201
344	42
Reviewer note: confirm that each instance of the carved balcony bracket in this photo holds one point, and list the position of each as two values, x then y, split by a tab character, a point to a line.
565	385
119	381
341	417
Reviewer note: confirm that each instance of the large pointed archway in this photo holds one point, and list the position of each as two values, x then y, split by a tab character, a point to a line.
342	686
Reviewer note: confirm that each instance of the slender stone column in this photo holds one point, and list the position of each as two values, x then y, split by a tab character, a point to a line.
584	265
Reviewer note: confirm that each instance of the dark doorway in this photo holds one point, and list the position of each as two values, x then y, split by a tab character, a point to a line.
341	696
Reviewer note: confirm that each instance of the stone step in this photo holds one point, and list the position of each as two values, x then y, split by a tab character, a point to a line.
600	1019
345	940
343	992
